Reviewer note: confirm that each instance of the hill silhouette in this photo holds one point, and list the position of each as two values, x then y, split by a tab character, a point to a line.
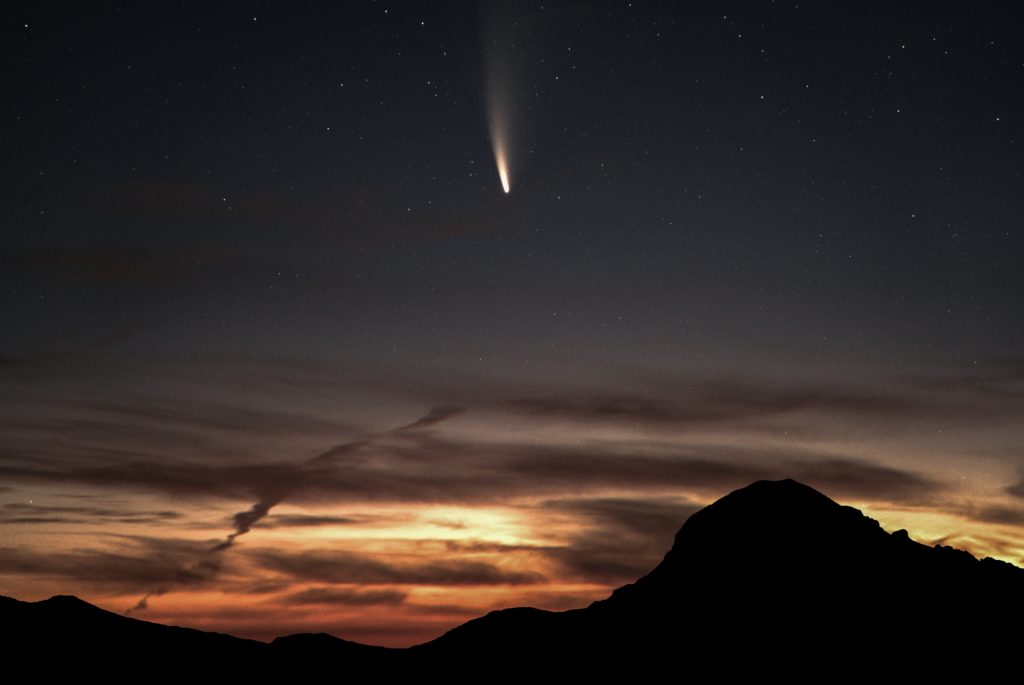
772	578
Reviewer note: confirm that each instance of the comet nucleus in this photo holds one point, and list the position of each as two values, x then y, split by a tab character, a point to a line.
499	159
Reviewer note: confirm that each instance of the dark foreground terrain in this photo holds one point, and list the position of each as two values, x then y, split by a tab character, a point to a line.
774	578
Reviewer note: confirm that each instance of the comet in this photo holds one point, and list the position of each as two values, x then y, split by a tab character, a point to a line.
499	53
499	128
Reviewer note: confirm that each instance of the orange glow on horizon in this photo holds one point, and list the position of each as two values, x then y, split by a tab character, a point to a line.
401	575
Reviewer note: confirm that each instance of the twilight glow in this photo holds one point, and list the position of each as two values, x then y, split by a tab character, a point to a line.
272	360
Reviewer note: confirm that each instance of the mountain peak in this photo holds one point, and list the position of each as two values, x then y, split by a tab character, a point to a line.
781	547
787	489
771	514
772	498
66	601
789	532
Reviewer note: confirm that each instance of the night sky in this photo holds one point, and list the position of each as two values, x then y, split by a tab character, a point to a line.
279	352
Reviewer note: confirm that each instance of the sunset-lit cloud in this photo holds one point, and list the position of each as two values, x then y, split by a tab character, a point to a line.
453	509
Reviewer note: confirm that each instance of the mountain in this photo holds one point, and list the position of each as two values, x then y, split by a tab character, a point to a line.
774	578
64	635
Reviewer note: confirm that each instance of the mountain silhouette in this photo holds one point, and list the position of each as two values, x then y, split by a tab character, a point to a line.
774	578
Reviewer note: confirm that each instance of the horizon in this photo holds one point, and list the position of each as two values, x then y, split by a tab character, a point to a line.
776	492
368	320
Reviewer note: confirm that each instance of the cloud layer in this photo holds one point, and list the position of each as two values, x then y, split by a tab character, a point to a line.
589	486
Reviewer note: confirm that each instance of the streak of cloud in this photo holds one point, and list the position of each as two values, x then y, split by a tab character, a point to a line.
275	494
434	417
307	521
427	469
21	512
331	566
153	562
720	402
620	539
245	520
346	597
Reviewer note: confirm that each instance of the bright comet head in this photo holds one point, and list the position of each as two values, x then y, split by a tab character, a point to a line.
499	142
503	173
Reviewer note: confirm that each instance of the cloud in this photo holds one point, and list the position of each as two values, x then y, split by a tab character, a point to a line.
346	596
419	467
620	539
435	416
339	567
1013	516
721	468
862	479
270	494
447	610
245	520
180	478
195	417
309	521
711	403
488	547
19	512
1001	380
259	586
992	392
646	517
156	563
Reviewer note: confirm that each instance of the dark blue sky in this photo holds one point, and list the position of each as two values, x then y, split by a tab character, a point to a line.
840	179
